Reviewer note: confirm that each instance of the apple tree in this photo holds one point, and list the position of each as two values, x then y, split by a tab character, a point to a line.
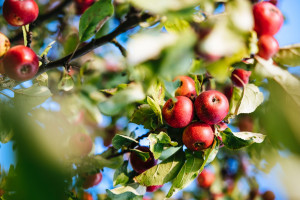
204	82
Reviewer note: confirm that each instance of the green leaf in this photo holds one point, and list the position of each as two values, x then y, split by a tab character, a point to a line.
158	142
122	140
197	85
42	80
162	173
156	108
288	55
157	91
171	87
187	174
115	104
47	49
132	191
33	96
144	156
212	152
66	83
93	19
121	175
145	116
247	100
240	139
283	106
176	25
163	7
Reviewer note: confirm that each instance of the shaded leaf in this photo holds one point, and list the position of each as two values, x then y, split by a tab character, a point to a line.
144	156
132	191
288	55
66	83
93	19
162	173
115	104
158	142
121	175
240	139
122	140
33	96
144	115
186	175
156	108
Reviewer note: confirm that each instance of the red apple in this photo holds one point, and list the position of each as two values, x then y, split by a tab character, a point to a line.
245	123
267	18
211	106
268	195
198	136
239	77
139	165
228	90
4	44
80	144
186	88
178	114
153	188
83	5
91	180
222	126
268	46
205	179
20	63
87	196
20	12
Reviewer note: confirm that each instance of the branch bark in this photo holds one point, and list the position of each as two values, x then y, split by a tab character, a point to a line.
95	43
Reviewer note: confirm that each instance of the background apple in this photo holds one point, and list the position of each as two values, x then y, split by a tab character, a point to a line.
139	165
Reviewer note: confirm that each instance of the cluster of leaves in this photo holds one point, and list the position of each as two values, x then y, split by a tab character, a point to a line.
136	87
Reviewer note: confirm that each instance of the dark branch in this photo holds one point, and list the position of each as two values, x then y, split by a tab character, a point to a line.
95	43
121	48
43	17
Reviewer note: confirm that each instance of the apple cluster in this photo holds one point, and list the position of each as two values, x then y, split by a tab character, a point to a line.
198	117
268	20
19	63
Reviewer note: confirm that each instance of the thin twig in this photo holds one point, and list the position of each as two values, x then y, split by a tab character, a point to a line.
120	47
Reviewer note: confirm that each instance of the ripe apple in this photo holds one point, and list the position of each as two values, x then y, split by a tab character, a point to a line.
178	114
268	195
20	12
153	188
205	179
267	18
87	196
139	165
91	180
83	5
80	144
268	46
198	136
222	126
239	77
4	44
20	63
211	106
245	123
186	88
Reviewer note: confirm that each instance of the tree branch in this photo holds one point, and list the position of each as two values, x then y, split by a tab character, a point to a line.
121	48
95	43
41	18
